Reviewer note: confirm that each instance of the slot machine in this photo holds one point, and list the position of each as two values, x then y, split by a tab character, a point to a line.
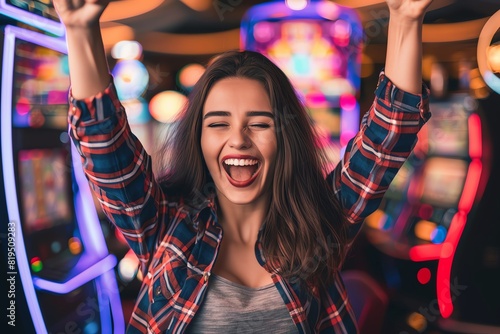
63	267
429	204
319	49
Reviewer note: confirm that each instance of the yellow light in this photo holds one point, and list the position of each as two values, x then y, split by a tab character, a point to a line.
75	246
494	58
376	219
417	321
165	106
483	46
423	229
189	74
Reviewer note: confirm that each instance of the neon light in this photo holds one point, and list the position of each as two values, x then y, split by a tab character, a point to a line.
485	37
85	211
78	280
8	164
108	283
470	186
422	253
475	137
443	281
32	19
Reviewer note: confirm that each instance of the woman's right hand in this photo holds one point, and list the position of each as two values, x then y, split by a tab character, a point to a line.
80	13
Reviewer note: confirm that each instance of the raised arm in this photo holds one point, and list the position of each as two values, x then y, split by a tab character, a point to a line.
116	164
89	72
389	129
404	43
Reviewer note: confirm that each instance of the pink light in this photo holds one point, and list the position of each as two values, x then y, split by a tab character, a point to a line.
345	137
422	253
347	102
23	106
424	275
443	281
475	137
471	185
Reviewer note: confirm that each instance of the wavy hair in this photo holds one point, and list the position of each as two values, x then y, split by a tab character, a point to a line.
304	234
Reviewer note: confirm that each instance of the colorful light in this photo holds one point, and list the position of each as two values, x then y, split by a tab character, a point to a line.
36	264
127	50
165	106
296	4
131	79
75	246
424	275
189	75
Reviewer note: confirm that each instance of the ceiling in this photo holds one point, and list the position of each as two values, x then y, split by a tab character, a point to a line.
174	16
174	34
174	28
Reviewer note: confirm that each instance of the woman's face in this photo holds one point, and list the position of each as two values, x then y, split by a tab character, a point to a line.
238	140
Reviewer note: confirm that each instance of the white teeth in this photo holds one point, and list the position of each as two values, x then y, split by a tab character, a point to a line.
241	162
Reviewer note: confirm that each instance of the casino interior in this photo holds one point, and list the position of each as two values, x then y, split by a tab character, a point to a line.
426	261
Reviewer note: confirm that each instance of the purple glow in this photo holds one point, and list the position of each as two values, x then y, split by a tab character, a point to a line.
87	268
8	170
31	19
86	214
78	280
349	123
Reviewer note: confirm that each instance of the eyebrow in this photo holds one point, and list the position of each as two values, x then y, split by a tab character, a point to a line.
248	114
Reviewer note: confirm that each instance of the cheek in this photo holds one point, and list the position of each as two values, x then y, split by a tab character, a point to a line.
209	148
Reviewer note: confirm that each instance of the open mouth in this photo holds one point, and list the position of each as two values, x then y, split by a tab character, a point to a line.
241	172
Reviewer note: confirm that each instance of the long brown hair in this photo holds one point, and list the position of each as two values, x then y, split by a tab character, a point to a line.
304	235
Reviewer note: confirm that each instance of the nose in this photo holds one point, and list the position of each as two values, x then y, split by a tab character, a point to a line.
238	138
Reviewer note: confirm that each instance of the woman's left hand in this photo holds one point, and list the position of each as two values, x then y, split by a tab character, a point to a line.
410	9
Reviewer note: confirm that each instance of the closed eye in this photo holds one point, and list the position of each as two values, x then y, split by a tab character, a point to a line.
217	125
260	125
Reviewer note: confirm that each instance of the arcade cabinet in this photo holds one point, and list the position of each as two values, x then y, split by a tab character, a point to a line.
63	268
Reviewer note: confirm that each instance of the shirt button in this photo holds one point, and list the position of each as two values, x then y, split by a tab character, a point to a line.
158	290
206	275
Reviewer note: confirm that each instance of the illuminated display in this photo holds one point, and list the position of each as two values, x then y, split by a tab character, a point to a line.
44	188
443	181
448	129
40	14
40	90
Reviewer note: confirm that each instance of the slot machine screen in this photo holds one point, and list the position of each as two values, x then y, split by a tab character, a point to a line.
40	87
39	14
443	181
45	188
448	128
315	56
304	49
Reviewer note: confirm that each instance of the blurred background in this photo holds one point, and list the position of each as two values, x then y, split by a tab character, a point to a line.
427	261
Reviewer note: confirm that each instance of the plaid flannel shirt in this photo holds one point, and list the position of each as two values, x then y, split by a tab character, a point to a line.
176	258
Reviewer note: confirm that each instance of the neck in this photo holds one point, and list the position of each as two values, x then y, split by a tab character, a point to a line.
241	222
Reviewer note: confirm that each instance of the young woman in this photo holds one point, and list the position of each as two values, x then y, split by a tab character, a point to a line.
242	232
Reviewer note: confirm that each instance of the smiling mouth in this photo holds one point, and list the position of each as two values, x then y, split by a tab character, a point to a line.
241	172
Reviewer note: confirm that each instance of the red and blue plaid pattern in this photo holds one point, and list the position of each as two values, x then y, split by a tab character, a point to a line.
176	257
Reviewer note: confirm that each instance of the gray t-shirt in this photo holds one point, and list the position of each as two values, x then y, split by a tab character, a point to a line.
233	308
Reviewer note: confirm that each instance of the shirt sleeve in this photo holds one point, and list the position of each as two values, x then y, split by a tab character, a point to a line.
387	136
118	169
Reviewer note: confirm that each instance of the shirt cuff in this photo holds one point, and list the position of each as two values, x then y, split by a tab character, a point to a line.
96	108
402	100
